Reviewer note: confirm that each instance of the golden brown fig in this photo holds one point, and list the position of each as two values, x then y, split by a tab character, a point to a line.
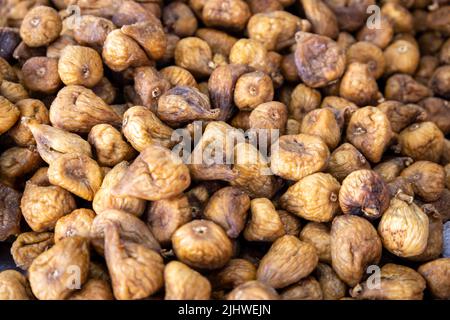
78	109
178	76
427	179
333	288
396	283
195	55
319	59
57	272
43	204
179	19
76	223
270	116
306	289
40	74
219	41
323	20
422	141
110	148
440	82
202	244
368	53
358	85
287	261
76	173
235	273
253	89
369	130
296	156
323	123
438	111
16	162
53	142
94	289
28	246
291	223
9	114
13	92
381	36
364	193
156	174
180	280
142	127
229	14
391	169
253	290
354	246
150	85
314	198
344	160
104	200
402	56
402	115
303	99
264	223
404	88
14	286
318	234
136	271
228	207
40	26
165	216
404	229
436	275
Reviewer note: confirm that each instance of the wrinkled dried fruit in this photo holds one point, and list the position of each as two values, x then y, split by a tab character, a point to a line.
318	234
436	274
40	26
14	286
264	223
253	290
333	288
235	273
9	114
77	223
30	245
427	179
344	160
180	280
306	289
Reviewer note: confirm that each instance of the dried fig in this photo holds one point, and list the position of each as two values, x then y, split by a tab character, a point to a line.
180	280
28	246
318	234
436	275
76	223
265	223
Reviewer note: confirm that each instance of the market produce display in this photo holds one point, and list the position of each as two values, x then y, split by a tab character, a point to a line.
224	149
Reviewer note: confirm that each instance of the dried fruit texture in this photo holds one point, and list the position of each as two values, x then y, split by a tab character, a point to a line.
235	273
131	229
136	271
14	286
440	82
438	111
80	65
253	290
251	172
28	246
9	114
275	30
53	143
31	110
121	52
323	20
221	87
202	244
78	109
402	56
219	41
404	88
351	15
436	274
291	223
155	174
149	35
185	104
438	20
178	18
344	160
40	26
318	234
319	60
229	14
13	92
358	85
76	173
57	272
93	289
427	179
92	31
110	148
16	162
402	115
404	229
365	193
314	197
324	124
287	261
253	89
165	216
296	156
250	52
178	76
391	169
422	141
77	223
179	281
396	283
369	130
355	245
271	116
265	223
104	200
381	36
40	74
332	287
228	207
195	55
305	289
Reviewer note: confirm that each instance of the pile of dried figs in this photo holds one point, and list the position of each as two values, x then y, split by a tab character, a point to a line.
225	149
